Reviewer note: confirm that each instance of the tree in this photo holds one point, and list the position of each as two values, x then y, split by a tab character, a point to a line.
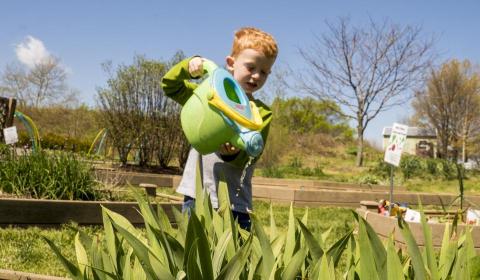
43	84
449	104
307	115
138	114
365	70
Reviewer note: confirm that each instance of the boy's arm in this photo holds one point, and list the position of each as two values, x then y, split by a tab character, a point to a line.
176	84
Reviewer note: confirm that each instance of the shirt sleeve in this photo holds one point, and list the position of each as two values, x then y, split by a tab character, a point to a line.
176	82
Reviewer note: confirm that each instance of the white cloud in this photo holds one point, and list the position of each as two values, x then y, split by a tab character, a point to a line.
32	52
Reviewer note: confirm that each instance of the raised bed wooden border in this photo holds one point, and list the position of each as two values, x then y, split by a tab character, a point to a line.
54	213
18	275
386	226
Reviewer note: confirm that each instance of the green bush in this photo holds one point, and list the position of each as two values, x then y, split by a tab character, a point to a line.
448	169
368	179
432	166
351	151
381	169
43	175
410	166
272	172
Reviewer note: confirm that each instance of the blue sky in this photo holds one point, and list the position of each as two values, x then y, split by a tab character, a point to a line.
83	34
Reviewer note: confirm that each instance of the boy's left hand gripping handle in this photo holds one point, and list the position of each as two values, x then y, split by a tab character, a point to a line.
208	66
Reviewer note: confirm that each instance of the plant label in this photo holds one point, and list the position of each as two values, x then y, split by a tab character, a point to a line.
412	216
11	135
473	217
397	140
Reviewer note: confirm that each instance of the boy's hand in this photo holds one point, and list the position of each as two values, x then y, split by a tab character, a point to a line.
228	149
195	67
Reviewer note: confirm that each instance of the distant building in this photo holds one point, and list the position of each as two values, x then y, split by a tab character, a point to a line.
420	141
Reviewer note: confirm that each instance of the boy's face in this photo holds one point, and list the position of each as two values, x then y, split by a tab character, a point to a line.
250	68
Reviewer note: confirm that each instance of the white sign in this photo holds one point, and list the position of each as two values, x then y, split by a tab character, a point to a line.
412	216
10	134
473	217
393	153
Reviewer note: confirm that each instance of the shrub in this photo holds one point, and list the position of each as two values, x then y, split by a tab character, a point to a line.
368	179
448	169
43	175
432	166
410	166
381	169
272	172
351	151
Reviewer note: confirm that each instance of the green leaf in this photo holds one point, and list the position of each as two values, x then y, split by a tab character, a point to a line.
142	251
377	246
138	272
219	252
69	266
367	259
337	249
394	266
427	235
291	271
313	245
268	261
325	269
447	253
236	265
81	253
193	267
291	241
182	223
413	251
277	245
195	231
273	226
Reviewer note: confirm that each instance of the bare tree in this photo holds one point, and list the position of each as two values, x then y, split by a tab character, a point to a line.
366	70
450	104
14	83
45	83
139	115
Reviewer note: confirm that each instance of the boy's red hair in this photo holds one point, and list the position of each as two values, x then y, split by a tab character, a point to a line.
253	38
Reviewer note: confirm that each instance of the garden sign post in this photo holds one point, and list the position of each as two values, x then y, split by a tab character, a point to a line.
393	153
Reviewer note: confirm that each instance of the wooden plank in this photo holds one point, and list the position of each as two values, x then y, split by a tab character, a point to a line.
273	192
56	212
18	275
136	178
384	226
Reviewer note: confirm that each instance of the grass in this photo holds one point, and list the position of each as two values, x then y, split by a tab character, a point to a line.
24	250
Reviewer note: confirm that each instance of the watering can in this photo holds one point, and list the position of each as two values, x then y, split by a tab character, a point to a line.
218	112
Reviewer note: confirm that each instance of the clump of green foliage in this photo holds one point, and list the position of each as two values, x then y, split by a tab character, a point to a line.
46	175
418	167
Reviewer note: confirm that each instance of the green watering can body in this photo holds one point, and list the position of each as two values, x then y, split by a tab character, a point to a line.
218	112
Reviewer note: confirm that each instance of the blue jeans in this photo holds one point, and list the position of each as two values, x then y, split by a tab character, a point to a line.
243	219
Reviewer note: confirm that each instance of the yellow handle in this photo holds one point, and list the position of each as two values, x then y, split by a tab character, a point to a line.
256	124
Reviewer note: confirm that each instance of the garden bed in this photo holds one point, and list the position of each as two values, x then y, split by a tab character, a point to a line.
54	213
384	226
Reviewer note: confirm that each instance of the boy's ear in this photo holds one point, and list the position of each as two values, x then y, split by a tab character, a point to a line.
230	61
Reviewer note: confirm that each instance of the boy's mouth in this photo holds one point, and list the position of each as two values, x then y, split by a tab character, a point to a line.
250	85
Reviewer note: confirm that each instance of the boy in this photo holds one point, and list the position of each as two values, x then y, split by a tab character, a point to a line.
250	63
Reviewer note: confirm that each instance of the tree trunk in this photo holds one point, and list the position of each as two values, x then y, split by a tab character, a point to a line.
360	146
